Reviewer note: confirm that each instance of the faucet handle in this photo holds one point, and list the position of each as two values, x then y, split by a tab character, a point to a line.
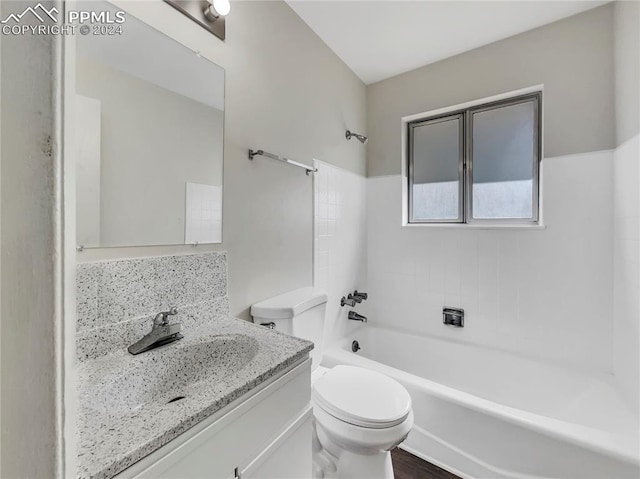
356	298
351	302
360	295
161	318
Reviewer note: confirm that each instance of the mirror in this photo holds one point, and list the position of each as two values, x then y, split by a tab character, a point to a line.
149	126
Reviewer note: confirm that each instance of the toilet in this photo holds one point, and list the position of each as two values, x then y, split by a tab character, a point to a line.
359	414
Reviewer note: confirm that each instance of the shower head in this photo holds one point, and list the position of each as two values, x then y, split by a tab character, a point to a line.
361	138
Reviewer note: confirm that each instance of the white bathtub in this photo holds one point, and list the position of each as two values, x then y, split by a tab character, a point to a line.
487	414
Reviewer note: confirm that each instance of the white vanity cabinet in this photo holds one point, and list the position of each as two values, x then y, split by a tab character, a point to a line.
265	436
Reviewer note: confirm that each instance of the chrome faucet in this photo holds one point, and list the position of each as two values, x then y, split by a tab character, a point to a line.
349	302
353	298
161	333
360	295
357	299
357	317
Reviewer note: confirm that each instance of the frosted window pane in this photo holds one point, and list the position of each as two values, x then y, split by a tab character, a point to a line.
436	152
503	160
435	200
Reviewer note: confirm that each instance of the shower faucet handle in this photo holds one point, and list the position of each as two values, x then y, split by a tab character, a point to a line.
357	299
349	302
360	295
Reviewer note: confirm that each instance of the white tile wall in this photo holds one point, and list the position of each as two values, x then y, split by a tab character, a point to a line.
543	293
203	216
626	285
340	242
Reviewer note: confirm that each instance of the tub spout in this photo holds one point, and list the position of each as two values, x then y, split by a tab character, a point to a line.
357	317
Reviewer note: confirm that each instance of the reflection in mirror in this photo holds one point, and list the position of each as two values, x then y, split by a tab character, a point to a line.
149	123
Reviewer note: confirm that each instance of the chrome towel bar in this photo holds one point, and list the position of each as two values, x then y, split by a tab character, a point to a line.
308	169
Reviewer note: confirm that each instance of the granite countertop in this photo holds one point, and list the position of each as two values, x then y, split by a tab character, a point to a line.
118	425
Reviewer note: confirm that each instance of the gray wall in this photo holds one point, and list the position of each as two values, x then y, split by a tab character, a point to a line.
572	58
286	93
153	141
28	398
627	70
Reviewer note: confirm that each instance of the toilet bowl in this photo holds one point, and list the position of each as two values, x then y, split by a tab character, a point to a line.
359	414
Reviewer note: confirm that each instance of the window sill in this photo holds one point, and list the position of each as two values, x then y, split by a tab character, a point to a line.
468	226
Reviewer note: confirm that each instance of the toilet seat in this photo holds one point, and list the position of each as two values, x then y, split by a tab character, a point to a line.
336	435
362	397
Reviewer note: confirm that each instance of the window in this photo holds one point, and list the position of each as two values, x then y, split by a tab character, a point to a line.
476	165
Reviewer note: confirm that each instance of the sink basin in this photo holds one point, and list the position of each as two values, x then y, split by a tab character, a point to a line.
164	376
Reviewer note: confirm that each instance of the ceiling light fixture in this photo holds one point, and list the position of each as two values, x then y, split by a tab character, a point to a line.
209	14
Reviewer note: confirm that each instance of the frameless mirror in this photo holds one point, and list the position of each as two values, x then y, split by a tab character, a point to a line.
149	123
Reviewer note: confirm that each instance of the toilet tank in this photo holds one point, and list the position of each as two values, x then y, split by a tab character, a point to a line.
298	313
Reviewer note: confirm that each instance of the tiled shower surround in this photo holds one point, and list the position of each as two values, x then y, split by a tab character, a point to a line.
340	241
546	294
117	300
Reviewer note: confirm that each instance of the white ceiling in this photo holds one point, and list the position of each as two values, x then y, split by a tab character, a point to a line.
378	39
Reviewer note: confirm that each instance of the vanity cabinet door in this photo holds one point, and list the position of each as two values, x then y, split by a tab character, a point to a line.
287	457
269	423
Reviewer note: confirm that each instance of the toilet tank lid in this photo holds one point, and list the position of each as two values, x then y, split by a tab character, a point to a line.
288	305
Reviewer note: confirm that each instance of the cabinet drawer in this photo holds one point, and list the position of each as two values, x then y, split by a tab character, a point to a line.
235	438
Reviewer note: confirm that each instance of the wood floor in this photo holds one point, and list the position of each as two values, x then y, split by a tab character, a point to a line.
408	466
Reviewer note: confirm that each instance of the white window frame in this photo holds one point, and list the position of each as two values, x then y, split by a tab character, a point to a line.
465	219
